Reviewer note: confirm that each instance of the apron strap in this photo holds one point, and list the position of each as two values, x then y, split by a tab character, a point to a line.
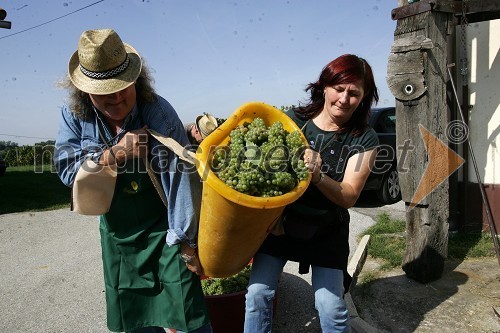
156	183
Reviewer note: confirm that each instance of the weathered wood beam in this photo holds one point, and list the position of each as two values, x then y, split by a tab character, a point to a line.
475	10
483	16
471	6
415	8
417	77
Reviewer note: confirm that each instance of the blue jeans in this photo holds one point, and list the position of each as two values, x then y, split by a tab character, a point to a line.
205	329
328	289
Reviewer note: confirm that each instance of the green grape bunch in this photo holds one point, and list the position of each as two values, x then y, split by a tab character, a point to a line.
261	161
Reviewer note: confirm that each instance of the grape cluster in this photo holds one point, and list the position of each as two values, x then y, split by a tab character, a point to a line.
261	161
257	131
227	285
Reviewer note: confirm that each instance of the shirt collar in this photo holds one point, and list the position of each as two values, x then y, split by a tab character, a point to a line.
130	118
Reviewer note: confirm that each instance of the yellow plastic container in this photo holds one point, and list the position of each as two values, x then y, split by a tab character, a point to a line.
233	225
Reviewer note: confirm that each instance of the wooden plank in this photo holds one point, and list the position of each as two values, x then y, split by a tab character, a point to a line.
405	63
411	24
411	43
409	10
358	259
406	10
405	71
471	6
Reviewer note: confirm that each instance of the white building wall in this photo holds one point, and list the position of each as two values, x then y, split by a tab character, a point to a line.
483	44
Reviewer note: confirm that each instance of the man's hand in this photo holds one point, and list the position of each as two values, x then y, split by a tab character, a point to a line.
133	144
195	266
190	257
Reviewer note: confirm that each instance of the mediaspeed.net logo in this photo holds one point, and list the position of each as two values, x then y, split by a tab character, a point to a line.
443	161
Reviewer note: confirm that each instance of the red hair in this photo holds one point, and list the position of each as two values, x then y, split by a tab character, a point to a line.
347	68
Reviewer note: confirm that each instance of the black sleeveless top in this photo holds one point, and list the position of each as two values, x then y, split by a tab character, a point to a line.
331	247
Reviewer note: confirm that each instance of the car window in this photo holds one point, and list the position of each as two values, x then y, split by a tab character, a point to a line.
386	123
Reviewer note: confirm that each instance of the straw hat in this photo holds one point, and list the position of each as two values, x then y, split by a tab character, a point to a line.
103	64
206	124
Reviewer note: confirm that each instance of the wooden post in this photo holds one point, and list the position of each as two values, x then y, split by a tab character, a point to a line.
417	76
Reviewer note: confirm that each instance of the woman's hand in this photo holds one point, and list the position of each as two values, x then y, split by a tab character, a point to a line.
313	161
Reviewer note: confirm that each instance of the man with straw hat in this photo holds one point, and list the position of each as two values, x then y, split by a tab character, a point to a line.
148	250
201	128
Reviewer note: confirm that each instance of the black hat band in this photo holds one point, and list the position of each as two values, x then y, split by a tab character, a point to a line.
107	74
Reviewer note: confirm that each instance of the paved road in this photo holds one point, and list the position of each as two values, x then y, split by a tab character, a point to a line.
51	276
369	205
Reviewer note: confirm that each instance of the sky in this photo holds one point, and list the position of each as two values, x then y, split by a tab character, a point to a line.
205	56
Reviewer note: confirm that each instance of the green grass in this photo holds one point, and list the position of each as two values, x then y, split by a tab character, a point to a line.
22	190
470	245
388	242
386	225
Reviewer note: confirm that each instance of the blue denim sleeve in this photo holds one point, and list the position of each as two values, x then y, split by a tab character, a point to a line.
180	180
73	146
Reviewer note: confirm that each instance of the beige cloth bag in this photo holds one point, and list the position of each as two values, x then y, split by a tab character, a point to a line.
94	183
93	188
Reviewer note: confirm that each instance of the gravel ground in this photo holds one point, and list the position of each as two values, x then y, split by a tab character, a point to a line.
51	276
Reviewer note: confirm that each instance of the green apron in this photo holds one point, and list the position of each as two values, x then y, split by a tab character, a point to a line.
146	282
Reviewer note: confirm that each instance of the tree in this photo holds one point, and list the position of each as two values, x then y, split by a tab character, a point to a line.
4	145
37	155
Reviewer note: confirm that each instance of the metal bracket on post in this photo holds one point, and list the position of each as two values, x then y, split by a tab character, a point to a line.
410	103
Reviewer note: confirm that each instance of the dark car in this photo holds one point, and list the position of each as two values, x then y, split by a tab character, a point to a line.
384	178
3	166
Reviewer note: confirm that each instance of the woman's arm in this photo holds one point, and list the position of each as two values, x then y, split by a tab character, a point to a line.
346	192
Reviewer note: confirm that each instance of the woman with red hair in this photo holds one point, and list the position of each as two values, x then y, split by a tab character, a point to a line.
315	228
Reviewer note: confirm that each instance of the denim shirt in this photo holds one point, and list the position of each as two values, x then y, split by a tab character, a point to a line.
78	140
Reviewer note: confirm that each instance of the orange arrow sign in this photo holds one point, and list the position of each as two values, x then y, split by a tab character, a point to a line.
442	163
